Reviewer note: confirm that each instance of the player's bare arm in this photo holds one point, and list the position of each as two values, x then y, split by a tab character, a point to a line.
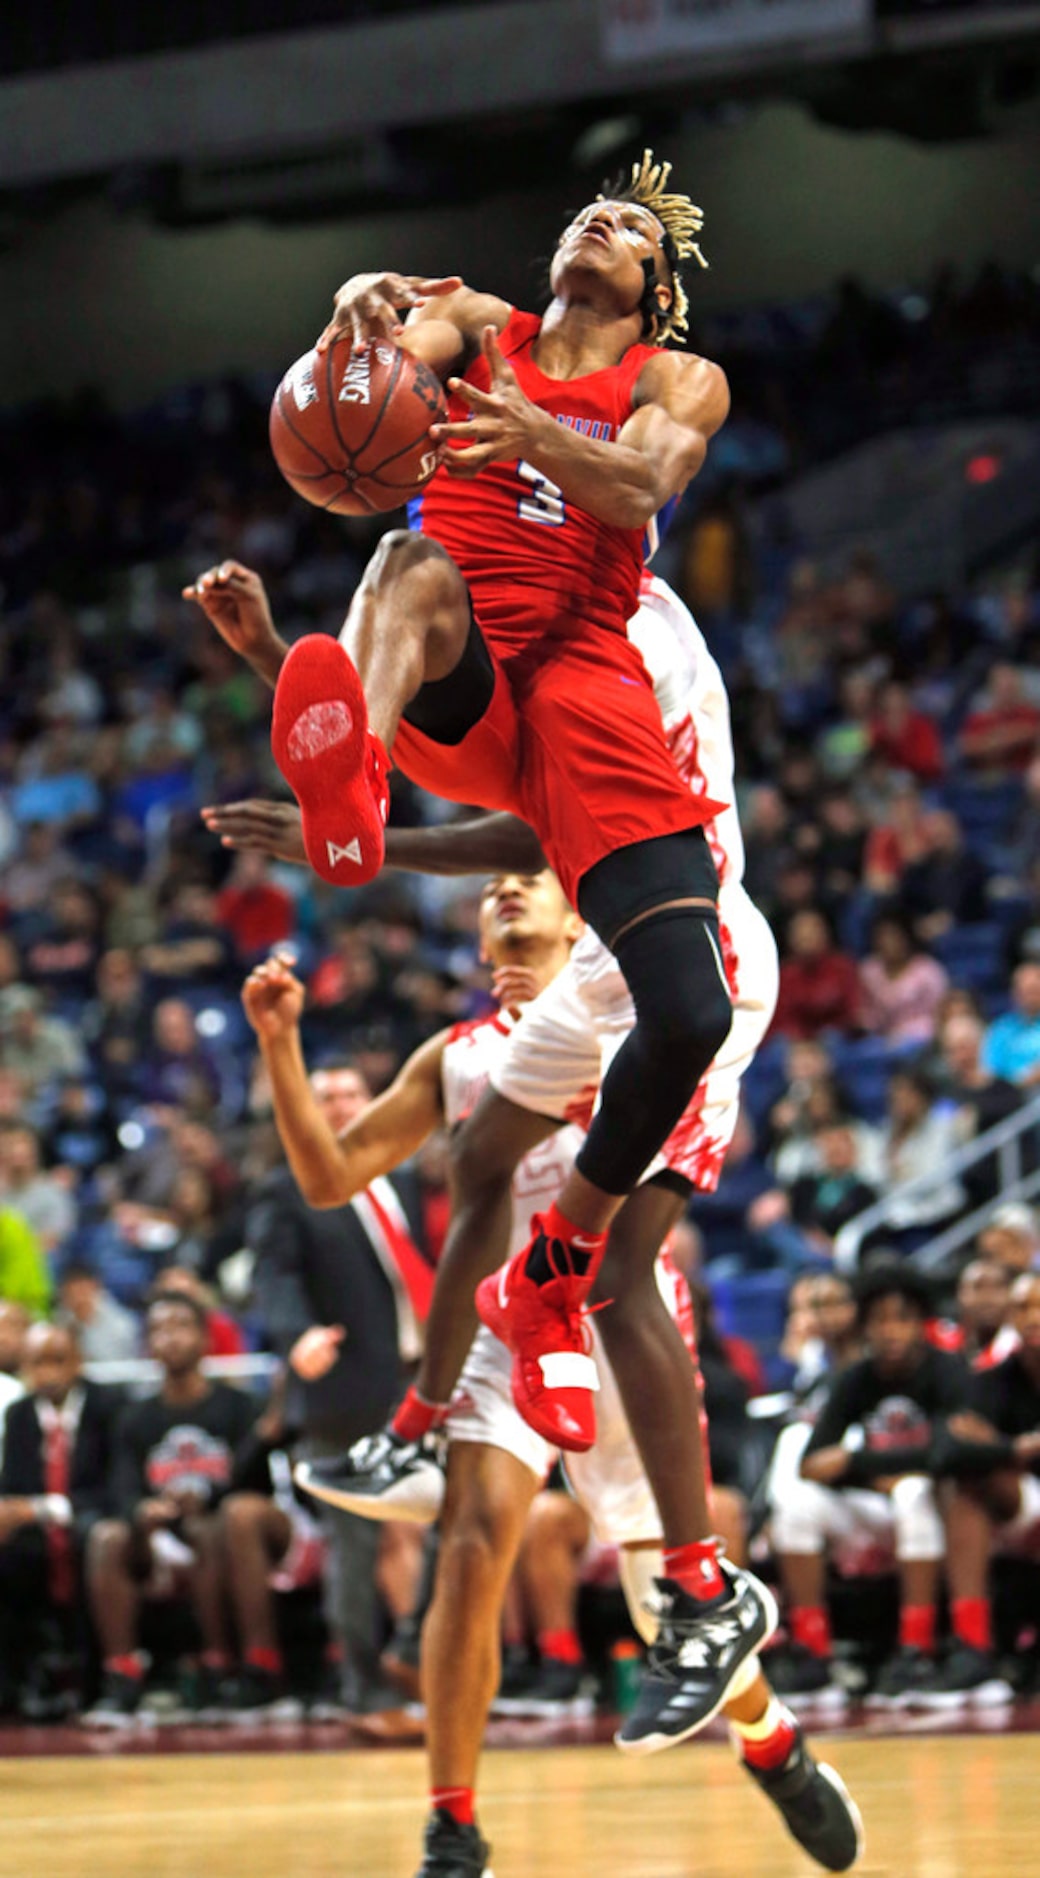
483	844
439	321
331	1169
234	600
681	403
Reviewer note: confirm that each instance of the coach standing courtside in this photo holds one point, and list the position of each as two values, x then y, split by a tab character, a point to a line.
344	1292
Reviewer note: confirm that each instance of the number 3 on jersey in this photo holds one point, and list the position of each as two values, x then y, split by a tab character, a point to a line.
544	502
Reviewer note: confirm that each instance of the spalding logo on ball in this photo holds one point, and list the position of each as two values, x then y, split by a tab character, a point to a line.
350	430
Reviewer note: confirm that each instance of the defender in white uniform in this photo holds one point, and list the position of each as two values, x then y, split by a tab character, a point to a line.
565	1041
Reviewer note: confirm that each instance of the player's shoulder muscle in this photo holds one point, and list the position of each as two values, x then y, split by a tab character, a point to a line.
691	389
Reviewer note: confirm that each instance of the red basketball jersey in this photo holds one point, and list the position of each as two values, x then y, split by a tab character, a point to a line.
535	563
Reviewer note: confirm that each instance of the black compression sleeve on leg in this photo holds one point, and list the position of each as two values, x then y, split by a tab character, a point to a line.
672	964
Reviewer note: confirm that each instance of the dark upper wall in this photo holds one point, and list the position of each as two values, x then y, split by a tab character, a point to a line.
92	297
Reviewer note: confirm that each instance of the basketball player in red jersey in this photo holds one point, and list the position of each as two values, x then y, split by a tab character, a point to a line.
487	652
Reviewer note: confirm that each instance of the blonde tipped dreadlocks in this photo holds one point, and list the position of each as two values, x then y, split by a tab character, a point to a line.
681	220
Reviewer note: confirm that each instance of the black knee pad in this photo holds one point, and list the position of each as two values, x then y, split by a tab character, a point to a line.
673	967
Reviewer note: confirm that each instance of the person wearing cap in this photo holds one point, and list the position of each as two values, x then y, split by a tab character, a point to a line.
1012	1238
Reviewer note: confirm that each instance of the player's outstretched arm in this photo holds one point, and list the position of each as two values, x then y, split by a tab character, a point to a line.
234	600
331	1169
438	320
485	844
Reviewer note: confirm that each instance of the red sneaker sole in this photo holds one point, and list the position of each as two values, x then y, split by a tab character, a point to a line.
319	739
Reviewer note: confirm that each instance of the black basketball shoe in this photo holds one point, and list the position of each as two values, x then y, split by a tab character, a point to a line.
381	1477
118	1702
699	1649
817	1808
453	1851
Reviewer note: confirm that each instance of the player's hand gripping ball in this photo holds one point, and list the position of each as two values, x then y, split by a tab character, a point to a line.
350	430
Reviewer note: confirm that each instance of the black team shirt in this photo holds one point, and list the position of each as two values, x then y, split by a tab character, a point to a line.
1007	1396
897	1416
186	1447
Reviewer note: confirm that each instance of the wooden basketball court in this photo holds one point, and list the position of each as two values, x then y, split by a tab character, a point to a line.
940	1807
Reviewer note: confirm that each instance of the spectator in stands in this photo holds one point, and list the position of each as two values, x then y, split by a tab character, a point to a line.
904	738
746	1223
40	863
54	783
43	1200
258	914
54	1486
983	1300
917	1140
61	954
946	887
23	1268
223	1336
897	842
117	1021
842	846
999	739
106	1333
844	744
336	1289
824	1201
174	1463
811	1096
766	826
994	1457
1012	1046
39	1049
192	947
179	1070
902	988
819	985
1012	1237
732	1372
982	1100
873	1487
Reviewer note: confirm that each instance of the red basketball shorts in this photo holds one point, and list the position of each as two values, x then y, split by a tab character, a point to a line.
572	743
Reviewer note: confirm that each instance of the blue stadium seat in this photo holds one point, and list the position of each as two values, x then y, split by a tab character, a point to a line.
753	1305
974	955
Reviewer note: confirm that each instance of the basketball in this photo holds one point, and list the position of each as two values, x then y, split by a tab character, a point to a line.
350	430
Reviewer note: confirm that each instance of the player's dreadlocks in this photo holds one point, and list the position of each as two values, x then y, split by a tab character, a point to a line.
681	220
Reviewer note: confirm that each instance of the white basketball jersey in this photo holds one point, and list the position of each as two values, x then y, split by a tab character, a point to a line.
470	1055
691	697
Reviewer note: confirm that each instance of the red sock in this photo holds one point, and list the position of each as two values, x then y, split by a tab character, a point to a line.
917	1627
811	1627
561	1645
584	1249
416	1417
270	1660
458	1801
972	1622
772	1749
129	1665
696	1568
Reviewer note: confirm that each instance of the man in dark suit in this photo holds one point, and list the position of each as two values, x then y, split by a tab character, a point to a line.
53	1488
341	1293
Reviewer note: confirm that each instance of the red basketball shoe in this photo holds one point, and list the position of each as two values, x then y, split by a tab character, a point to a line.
334	764
554	1377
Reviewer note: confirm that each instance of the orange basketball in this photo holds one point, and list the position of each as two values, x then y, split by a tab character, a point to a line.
350	430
